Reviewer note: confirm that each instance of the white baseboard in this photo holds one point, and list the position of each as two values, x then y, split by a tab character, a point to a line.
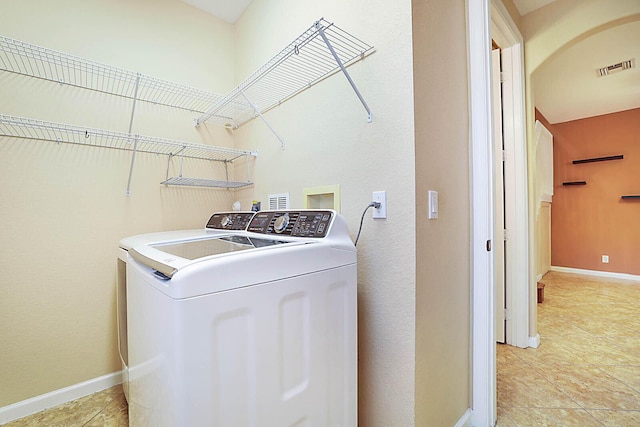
611	275
534	342
539	277
465	420
58	397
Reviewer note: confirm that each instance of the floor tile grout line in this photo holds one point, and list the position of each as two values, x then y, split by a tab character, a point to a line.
625	384
595	293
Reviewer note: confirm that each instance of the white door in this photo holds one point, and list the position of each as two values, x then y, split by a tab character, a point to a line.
498	186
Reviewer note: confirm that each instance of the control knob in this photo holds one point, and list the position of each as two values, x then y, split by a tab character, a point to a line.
281	223
225	221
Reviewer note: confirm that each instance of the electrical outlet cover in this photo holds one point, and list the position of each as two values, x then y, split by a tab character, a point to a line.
380	197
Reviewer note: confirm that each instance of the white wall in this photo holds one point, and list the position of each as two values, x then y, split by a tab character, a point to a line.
63	208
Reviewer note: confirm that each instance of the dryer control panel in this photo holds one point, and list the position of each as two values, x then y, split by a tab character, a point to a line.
230	220
306	223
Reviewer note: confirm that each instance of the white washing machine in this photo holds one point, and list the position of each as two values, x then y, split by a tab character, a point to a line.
256	328
219	223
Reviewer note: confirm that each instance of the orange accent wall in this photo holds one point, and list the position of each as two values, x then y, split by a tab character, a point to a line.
592	220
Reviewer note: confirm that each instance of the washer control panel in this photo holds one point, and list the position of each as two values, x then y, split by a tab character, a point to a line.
292	223
230	220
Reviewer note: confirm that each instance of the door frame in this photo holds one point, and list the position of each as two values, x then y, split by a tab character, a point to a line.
517	277
484	19
499	232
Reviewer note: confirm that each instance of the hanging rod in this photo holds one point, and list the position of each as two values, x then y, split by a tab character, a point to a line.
47	64
21	127
304	62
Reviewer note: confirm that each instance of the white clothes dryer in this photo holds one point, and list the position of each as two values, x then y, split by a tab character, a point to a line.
257	328
219	223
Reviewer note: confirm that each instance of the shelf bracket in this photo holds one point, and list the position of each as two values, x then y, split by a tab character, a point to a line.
172	155
255	108
135	143
320	29
135	98
133	160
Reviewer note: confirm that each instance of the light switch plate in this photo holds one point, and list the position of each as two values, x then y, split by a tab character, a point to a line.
433	205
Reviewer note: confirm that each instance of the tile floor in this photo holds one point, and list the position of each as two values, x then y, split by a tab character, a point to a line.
107	408
586	371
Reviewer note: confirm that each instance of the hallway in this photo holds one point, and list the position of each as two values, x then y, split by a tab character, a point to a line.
586	371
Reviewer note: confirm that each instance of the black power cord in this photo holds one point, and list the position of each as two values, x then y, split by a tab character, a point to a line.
375	205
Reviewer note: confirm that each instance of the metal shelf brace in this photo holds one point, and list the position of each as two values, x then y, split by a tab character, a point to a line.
319	52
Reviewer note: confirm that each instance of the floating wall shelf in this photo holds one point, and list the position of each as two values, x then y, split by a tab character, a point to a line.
21	127
319	52
570	183
631	197
599	159
47	64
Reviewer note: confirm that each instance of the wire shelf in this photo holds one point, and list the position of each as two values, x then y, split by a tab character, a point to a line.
303	63
200	182
43	63
21	127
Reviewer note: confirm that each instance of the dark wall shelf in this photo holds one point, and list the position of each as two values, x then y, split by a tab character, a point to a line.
569	183
631	197
599	159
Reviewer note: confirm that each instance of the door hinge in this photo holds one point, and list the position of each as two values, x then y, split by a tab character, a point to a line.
502	77
506	314
488	245
504	155
505	235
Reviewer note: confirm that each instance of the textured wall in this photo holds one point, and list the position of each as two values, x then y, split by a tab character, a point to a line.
591	220
442	245
413	315
63	207
330	142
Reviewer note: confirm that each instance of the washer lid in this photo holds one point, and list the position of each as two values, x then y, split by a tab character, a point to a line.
168	258
208	247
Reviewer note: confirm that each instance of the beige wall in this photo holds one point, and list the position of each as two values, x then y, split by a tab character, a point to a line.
513	12
413	276
330	142
546	32
63	208
442	245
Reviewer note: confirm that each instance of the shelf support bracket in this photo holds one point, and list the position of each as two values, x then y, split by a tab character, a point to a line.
320	29
255	108
171	156
246	158
133	160
135	98
135	143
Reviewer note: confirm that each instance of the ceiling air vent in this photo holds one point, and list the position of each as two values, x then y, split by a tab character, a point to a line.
624	65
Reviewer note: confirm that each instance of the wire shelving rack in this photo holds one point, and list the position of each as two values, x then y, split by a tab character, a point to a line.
321	51
27	128
35	61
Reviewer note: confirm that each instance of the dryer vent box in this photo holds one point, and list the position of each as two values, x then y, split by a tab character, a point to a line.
325	197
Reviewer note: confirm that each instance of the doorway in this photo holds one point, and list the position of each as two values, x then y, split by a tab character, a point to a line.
515	181
490	20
